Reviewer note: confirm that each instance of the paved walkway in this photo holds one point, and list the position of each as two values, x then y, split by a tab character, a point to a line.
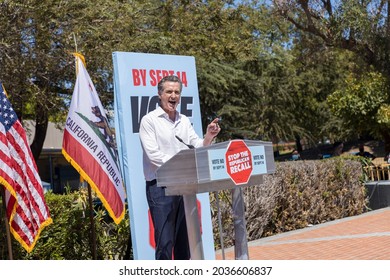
362	237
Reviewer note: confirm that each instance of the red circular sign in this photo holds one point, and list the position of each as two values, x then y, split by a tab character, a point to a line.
238	160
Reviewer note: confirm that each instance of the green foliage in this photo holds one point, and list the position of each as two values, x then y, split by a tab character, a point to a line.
362	28
250	71
361	103
383	115
69	236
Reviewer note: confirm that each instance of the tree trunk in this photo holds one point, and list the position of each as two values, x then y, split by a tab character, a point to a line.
41	124
386	138
298	143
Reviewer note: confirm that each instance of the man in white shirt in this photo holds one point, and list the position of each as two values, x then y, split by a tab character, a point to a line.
163	133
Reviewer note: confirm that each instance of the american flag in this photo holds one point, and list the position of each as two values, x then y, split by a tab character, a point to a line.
26	208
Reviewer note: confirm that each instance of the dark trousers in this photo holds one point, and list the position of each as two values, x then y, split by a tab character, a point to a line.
170	229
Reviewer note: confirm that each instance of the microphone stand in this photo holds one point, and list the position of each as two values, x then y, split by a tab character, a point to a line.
181	140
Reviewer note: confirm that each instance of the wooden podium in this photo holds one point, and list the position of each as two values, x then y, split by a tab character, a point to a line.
221	166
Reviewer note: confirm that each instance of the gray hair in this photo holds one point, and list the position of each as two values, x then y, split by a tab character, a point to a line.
172	78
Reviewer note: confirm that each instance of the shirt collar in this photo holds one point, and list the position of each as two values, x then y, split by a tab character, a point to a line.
161	113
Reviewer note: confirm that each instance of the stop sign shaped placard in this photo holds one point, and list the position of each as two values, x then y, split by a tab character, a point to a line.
238	160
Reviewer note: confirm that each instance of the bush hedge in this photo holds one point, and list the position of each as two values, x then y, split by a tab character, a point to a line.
298	194
69	237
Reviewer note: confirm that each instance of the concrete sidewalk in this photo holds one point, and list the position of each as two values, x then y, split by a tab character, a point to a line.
362	237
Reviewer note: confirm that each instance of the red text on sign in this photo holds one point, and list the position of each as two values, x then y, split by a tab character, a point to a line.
141	76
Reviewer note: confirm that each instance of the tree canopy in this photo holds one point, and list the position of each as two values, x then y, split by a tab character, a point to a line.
266	70
363	28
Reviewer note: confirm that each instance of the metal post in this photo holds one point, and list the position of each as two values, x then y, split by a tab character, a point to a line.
241	242
220	225
51	173
193	227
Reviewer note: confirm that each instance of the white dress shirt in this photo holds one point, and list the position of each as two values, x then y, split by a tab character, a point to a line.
157	134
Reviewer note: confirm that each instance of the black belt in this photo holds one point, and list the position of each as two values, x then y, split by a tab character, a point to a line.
151	183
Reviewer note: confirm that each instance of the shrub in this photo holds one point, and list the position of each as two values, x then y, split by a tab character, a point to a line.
69	236
298	194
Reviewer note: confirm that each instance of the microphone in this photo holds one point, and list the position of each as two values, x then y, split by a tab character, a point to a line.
181	140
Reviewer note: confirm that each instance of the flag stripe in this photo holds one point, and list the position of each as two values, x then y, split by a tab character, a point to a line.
110	199
24	235
26	208
26	177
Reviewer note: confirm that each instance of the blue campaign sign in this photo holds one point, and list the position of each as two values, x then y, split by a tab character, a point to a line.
136	76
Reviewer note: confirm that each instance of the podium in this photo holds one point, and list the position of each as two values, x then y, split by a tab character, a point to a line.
221	166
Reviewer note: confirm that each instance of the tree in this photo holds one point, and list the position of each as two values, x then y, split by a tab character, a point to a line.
362	27
38	38
246	71
361	103
320	71
253	90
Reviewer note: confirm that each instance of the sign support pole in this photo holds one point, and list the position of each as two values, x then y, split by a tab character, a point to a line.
240	233
193	227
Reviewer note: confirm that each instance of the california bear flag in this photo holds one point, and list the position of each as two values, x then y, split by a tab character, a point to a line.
89	144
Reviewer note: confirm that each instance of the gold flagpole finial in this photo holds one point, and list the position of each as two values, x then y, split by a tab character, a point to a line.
5	92
81	57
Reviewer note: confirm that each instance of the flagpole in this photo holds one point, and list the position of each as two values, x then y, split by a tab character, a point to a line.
7	230
75	41
9	242
93	234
